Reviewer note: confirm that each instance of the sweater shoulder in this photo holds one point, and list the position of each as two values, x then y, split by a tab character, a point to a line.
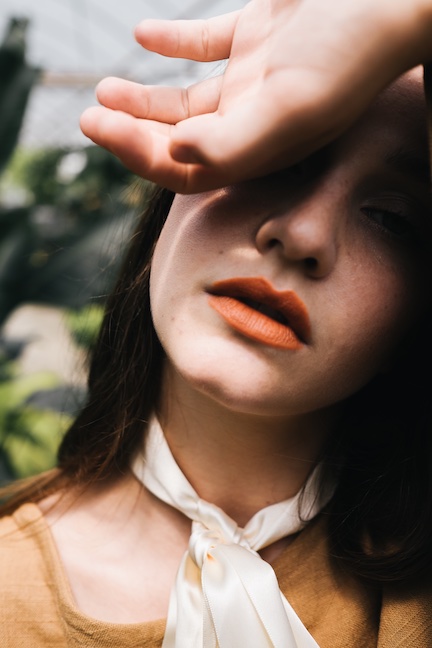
28	609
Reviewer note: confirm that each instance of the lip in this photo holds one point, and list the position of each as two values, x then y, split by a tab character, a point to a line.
226	296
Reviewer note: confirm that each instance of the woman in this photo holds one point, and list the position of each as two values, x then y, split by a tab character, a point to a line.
289	323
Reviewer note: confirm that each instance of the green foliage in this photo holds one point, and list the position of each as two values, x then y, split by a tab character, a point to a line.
62	245
84	324
36	170
69	178
29	435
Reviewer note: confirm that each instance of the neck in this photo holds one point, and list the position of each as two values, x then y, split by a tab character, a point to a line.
240	462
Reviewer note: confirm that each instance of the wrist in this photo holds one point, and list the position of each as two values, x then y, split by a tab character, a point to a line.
424	19
409	30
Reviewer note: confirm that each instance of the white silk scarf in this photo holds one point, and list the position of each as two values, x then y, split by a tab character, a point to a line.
225	595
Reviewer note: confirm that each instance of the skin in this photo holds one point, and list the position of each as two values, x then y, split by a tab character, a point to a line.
350	234
316	230
298	75
322	241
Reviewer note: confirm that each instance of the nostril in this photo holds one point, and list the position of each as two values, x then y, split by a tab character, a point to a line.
273	243
311	263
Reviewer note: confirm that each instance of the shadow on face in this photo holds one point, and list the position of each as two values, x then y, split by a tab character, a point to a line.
348	230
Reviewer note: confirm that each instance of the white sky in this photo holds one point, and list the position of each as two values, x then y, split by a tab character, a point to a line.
94	37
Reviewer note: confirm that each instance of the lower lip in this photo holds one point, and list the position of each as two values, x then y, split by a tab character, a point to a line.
253	324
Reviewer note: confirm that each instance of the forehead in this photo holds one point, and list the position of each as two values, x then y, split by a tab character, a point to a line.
397	119
404	96
392	132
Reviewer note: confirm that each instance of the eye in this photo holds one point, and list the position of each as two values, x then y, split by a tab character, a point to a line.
395	223
392	221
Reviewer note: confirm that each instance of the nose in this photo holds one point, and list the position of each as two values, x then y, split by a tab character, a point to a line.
305	233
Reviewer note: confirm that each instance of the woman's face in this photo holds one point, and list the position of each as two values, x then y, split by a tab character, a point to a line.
347	231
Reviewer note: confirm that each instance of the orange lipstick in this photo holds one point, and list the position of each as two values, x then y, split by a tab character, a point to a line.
251	306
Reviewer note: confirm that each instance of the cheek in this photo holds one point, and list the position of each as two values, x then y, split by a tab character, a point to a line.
178	252
182	263
199	235
379	311
192	233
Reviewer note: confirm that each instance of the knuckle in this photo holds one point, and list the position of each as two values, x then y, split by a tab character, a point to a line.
205	39
185	103
144	107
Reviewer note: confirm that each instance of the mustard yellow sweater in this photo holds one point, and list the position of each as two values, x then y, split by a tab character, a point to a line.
37	609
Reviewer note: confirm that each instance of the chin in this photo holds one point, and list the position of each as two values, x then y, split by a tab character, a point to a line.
235	398
241	388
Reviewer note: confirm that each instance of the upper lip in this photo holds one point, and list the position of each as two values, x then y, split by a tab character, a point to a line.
259	289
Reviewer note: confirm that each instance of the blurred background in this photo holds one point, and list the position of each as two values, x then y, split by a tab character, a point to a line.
66	207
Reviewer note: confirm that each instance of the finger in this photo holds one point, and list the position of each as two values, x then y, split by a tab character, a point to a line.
270	129
143	147
199	40
137	144
168	105
250	140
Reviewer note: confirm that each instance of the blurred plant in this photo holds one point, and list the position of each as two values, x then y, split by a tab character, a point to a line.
60	245
16	81
64	247
84	324
30	429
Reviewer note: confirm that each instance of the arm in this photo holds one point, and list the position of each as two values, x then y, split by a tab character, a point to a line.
299	73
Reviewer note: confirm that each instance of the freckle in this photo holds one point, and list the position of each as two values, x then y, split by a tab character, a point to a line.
221	252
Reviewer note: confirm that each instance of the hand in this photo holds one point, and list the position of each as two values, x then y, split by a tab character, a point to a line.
299	73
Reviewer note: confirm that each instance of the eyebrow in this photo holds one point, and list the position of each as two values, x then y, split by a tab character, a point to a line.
411	164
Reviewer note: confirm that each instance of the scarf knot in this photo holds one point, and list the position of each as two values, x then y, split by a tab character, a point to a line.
201	543
225	595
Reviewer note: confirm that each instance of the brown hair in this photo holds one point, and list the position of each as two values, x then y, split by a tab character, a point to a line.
123	381
380	515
